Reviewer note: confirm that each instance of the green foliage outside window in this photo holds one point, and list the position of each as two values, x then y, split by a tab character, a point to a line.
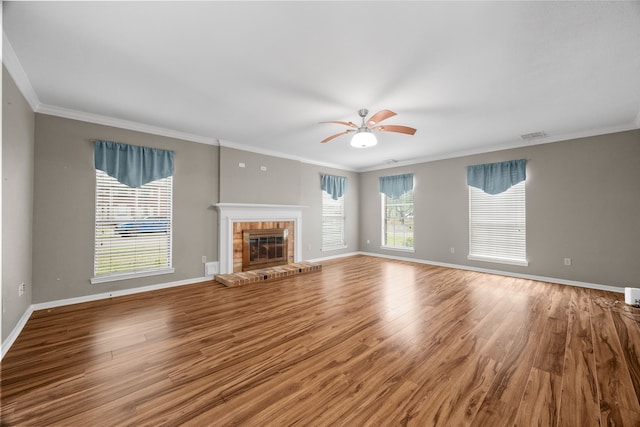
398	221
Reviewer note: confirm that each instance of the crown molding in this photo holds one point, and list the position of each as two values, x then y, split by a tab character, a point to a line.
329	165
508	146
122	124
273	153
155	130
10	60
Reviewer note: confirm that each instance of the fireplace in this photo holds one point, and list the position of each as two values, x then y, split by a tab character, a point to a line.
234	218
264	248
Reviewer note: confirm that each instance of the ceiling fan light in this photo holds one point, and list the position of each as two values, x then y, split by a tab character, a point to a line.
364	139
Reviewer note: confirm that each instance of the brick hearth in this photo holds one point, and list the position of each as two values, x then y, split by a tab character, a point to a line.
253	276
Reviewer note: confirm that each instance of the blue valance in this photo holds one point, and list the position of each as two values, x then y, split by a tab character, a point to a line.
396	185
495	178
335	186
133	165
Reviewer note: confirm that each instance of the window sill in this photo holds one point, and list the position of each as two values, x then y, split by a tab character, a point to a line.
396	248
519	262
334	248
125	276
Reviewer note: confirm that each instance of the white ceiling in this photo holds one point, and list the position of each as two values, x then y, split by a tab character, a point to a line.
471	77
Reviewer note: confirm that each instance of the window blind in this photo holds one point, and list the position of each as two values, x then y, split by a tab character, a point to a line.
497	225
333	220
133	227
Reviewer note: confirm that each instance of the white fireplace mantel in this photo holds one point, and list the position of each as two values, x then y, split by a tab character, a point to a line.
228	213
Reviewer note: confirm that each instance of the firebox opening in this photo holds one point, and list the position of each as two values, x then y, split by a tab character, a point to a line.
264	248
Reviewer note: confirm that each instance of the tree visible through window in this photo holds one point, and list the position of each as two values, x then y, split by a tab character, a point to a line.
133	227
397	222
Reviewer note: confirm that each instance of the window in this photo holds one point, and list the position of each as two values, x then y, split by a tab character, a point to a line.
333	220
497	225
133	229
397	221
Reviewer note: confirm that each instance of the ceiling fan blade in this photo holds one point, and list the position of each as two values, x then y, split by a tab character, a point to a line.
380	116
334	136
353	125
396	128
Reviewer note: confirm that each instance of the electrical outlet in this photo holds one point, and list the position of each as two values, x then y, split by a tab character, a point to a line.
204	259
567	261
21	289
453	250
241	165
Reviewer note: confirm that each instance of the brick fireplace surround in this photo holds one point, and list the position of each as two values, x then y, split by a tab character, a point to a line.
234	217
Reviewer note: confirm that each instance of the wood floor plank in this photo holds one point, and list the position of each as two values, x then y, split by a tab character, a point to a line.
541	400
553	342
627	322
618	398
510	382
580	398
364	341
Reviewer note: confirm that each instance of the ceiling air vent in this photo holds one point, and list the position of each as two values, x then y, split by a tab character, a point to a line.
533	135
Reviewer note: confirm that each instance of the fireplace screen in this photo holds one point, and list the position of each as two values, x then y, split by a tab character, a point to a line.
264	248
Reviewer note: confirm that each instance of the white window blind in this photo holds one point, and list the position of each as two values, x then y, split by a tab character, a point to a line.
497	225
133	228
333	220
397	221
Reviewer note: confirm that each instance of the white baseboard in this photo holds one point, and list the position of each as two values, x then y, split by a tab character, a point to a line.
113	294
7	343
326	258
588	285
499	272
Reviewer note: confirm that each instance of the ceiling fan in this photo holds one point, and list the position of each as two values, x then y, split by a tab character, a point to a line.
363	134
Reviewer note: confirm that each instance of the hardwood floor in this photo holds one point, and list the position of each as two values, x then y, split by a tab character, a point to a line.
364	341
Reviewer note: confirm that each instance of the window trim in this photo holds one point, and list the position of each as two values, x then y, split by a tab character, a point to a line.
408	249
124	276
498	260
397	248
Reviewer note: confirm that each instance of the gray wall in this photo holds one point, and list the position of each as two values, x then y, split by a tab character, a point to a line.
279	184
18	125
583	203
64	207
